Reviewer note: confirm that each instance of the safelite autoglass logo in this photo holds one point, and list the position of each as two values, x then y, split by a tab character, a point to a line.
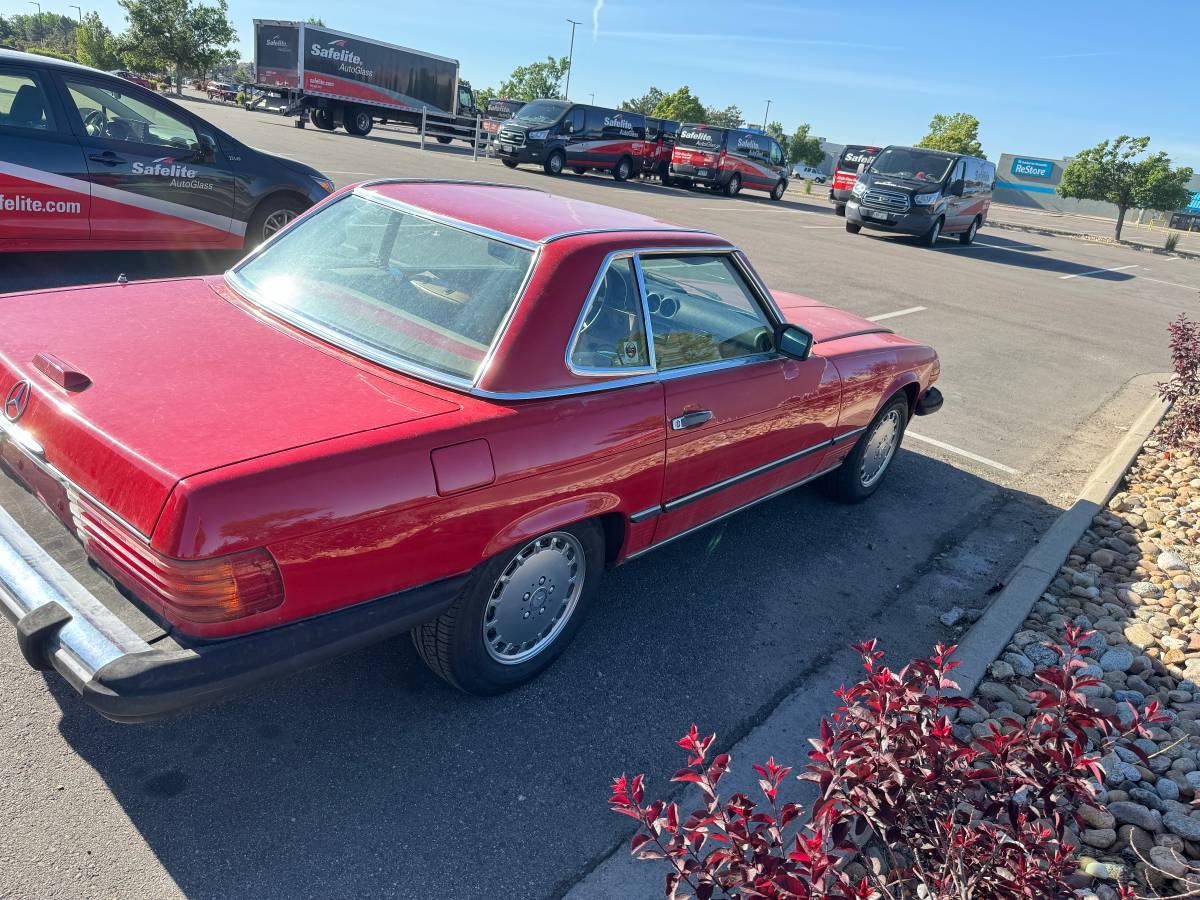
276	41
164	166
338	51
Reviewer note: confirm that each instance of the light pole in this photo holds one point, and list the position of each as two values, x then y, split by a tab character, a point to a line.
38	5
570	59
78	11
765	114
592	100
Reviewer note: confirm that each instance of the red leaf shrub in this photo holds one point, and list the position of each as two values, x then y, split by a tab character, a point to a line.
985	819
1181	430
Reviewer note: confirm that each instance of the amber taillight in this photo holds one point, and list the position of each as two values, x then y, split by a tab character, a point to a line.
202	591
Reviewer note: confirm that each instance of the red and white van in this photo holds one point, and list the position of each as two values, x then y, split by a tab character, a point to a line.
729	159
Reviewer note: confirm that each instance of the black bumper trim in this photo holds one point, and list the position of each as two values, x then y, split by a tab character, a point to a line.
140	687
930	402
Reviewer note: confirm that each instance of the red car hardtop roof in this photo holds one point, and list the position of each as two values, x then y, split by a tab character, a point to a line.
527	213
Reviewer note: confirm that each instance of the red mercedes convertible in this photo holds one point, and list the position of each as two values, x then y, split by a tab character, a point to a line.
432	407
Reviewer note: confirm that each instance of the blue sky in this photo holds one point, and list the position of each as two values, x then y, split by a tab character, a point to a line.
1045	78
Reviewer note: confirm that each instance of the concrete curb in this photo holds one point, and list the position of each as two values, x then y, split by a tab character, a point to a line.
1029	580
1088	238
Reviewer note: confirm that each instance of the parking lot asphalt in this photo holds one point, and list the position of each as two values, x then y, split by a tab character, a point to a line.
369	776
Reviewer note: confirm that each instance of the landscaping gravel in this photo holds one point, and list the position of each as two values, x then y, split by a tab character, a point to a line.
1134	577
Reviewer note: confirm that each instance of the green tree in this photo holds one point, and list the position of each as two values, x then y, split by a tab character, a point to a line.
1111	172
775	130
315	20
538	80
50	51
645	104
802	147
183	35
47	31
729	117
681	105
95	44
6	31
956	133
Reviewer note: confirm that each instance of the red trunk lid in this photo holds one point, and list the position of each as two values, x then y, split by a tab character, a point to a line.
182	381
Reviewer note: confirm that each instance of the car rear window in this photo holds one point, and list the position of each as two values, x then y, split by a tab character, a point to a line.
700	137
390	285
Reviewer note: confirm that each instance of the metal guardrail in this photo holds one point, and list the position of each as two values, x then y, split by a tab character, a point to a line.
446	128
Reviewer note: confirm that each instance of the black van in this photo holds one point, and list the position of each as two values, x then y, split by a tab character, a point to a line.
923	192
558	134
729	159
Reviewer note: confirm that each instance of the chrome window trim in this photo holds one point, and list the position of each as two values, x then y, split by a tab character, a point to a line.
449	221
668	229
577	331
622	377
733	512
374	354
649	378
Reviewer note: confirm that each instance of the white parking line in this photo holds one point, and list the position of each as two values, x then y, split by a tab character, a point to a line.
950	448
1096	272
892	315
1186	287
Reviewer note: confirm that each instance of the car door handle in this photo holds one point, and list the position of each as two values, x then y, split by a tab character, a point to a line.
107	157
691	420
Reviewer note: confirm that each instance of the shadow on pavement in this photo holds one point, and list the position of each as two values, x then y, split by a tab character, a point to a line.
370	777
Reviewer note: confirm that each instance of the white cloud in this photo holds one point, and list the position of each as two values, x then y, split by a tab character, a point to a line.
596	18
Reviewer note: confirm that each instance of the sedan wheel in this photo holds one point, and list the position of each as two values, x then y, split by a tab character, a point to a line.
862	471
533	599
269	218
517	613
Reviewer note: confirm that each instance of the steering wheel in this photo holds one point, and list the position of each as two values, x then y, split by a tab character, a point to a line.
607	296
119	130
94	123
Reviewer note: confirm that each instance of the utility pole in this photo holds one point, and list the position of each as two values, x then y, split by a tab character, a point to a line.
765	114
570	59
38	5
78	12
592	101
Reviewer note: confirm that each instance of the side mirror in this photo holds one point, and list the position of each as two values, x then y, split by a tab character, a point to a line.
794	341
956	187
207	151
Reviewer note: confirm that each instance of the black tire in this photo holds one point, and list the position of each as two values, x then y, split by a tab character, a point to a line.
358	121
455	644
664	175
930	238
321	118
554	163
968	237
850	483
271	215
444	139
779	190
853	228
623	169
734	187
511	163
840	210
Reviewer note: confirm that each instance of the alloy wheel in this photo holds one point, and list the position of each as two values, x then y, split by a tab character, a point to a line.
276	221
534	597
880	448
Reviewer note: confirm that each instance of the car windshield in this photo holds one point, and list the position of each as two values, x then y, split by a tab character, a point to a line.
542	112
390	285
914	165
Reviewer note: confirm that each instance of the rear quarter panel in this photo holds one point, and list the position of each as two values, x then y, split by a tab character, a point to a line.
359	518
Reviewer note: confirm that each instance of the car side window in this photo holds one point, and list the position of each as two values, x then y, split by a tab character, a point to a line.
109	112
578	120
702	310
611	335
776	154
23	101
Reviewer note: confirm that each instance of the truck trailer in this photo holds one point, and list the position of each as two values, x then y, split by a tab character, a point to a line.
345	80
